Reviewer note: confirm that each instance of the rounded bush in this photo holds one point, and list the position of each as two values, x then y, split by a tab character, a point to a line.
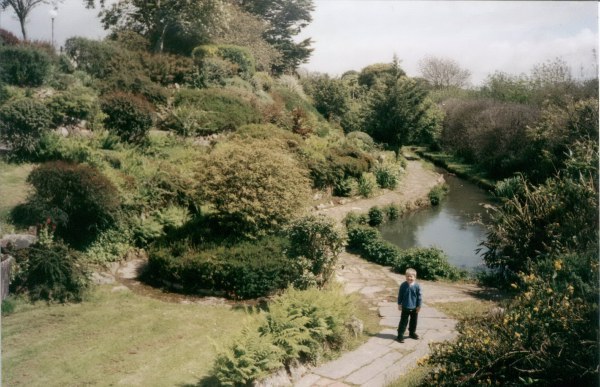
24	65
77	197
386	177
22	124
376	216
128	116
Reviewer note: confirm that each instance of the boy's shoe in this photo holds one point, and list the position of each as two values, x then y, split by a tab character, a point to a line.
400	339
414	336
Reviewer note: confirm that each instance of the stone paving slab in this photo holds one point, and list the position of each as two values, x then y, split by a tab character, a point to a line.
376	367
351	361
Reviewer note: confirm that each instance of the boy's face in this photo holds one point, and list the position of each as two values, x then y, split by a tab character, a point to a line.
410	278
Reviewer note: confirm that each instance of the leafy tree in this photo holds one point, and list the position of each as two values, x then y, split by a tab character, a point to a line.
555	136
443	73
285	18
22	8
507	88
248	30
169	25
379	73
400	111
330	96
253	190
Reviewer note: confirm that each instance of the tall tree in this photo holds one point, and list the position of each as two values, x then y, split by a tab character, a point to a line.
443	73
285	18
22	8
400	113
169	25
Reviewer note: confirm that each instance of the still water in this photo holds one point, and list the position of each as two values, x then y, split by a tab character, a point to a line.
455	226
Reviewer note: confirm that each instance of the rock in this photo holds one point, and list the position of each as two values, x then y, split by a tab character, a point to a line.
18	241
120	288
102	278
297	370
356	326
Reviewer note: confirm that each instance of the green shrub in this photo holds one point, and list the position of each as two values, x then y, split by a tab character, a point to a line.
50	271
392	211
241	57
430	263
352	218
344	187
253	355
376	216
368	242
213	72
254	189
24	66
22	124
138	84
224	110
360	235
546	336
299	326
187	121
128	116
386	177
367	185
510	187
317	239
243	271
78	198
437	193
70	107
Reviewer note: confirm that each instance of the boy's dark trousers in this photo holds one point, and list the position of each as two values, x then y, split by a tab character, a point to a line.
404	317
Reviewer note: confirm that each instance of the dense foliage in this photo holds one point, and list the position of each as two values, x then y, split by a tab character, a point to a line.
77	197
246	270
299	326
23	122
253	190
50	270
128	116
24	65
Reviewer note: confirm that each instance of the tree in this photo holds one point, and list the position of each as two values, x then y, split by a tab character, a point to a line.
247	30
169	25
22	8
400	113
285	18
443	73
330	95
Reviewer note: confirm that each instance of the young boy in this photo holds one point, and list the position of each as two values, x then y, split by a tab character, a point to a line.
409	302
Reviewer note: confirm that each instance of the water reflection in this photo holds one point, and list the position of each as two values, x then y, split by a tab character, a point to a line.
455	226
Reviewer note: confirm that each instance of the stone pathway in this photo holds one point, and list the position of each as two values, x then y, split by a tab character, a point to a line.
381	360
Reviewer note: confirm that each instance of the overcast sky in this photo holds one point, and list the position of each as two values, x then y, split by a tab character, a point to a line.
482	36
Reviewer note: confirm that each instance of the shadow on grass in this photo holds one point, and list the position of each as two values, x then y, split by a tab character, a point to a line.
207	381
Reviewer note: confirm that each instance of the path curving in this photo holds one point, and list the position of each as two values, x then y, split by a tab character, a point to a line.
381	360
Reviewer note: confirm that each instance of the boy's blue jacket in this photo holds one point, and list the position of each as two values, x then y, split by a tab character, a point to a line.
409	296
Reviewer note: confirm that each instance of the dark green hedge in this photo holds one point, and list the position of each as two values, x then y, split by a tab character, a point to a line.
246	270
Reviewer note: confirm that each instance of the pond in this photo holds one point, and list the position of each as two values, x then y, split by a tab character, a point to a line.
455	226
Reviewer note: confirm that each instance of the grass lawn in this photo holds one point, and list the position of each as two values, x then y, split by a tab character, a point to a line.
114	338
14	188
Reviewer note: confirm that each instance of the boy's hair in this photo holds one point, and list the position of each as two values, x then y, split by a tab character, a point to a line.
411	271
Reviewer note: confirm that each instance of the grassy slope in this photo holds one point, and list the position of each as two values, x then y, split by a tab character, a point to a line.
114	338
13	188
